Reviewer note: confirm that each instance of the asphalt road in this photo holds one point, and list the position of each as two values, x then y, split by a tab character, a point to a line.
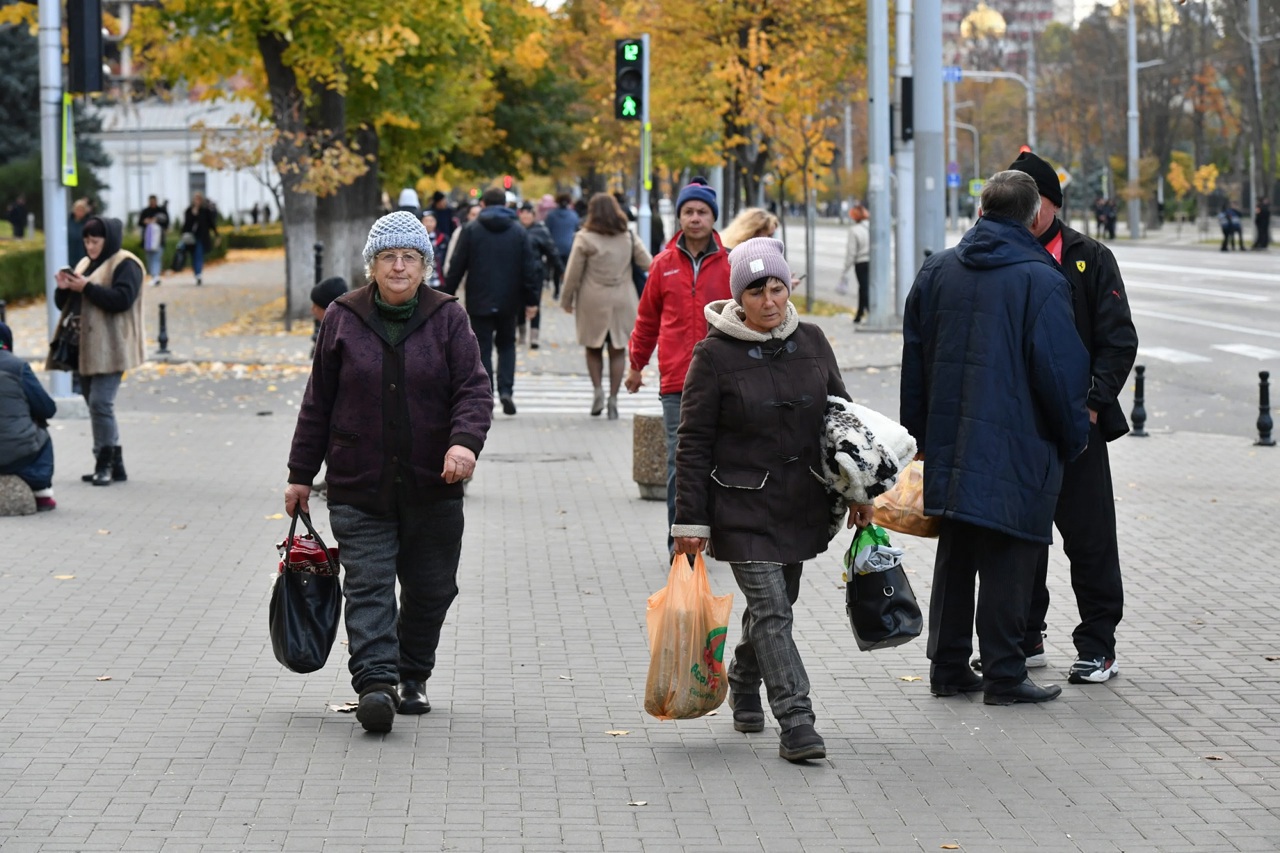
1207	322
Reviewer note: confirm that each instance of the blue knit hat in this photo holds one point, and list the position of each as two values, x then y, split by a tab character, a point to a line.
397	230
697	190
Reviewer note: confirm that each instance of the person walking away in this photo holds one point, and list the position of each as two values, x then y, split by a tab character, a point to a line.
691	272
1262	225
17	216
496	256
438	243
446	217
857	259
199	222
563	223
255	213
550	264
1014	392
398	405
409	202
26	450
1237	226
598	292
750	222
103	298
1085	513
744	481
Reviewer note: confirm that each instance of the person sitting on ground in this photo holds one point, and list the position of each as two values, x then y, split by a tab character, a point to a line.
26	450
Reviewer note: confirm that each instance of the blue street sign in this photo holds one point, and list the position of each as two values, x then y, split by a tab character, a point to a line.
951	74
953	181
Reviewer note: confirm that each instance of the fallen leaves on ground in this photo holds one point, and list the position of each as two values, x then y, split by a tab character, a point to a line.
638	803
278	515
910	678
1213	758
618	732
63	577
103	678
346	708
104	532
266	319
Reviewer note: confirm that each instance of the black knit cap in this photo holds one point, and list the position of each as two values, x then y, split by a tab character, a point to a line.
328	290
1045	176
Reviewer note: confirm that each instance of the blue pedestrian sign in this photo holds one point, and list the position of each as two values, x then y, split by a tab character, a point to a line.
951	74
953	181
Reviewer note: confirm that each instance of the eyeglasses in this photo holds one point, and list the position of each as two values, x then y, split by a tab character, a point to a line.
409	259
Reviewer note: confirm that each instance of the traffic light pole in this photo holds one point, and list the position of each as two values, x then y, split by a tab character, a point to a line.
644	221
55	197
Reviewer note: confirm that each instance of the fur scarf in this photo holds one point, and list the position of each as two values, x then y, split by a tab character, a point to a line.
862	453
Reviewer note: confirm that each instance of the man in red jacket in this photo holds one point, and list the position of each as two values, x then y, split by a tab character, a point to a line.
690	272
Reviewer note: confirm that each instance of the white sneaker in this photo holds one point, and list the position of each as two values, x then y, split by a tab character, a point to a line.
1095	671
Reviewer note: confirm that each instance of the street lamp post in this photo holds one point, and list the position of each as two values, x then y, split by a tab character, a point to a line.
977	147
988	76
1135	204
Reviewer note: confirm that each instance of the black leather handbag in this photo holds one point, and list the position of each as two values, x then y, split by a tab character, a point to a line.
64	349
306	601
882	609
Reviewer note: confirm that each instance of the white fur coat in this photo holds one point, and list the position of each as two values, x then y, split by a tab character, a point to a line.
862	453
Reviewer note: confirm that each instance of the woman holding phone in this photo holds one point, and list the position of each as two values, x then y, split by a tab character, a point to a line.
101	304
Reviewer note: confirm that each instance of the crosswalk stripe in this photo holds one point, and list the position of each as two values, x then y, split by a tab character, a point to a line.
569	394
1173	356
1249	351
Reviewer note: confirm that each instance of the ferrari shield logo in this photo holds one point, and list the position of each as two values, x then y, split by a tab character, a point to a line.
1080	265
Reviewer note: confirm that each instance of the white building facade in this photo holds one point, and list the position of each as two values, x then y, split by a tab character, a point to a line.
154	150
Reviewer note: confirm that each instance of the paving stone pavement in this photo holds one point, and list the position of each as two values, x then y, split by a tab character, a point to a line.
200	741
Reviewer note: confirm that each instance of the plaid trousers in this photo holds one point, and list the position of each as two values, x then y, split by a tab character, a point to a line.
766	650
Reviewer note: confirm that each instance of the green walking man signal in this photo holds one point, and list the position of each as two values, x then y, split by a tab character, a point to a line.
629	78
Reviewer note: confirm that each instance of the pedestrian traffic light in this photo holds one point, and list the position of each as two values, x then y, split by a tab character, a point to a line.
629	72
84	46
506	182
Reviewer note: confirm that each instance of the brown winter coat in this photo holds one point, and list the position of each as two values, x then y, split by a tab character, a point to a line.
748	459
598	286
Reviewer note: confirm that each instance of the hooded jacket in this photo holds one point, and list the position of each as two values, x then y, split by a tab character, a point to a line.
749	453
496	256
670	315
994	380
24	408
112	328
381	414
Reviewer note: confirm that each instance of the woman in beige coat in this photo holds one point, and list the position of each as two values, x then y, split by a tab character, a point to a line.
598	289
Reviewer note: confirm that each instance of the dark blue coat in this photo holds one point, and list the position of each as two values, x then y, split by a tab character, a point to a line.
994	380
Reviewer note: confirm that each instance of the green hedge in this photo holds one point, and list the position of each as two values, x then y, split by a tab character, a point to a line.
21	273
22	270
254	239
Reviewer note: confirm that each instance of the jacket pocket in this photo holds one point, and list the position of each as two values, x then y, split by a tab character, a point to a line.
342	438
739	501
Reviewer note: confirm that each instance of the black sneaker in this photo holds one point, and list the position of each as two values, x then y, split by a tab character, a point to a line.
748	713
1093	670
508	405
377	708
802	743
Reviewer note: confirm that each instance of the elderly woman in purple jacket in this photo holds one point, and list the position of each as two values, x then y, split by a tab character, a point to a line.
398	405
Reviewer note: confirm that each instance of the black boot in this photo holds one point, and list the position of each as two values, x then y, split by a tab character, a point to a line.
102	471
117	465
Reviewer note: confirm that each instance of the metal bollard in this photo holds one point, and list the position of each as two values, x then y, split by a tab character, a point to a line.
2	306
319	247
1139	416
1264	410
163	337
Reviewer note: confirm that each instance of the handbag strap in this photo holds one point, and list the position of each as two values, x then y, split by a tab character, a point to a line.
306	520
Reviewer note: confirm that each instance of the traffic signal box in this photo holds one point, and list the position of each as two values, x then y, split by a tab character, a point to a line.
629	73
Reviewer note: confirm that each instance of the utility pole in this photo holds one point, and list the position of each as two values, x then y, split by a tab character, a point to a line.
1135	204
904	162
930	159
881	301
644	219
55	197
953	163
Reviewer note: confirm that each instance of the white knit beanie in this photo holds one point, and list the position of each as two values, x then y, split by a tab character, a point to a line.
754	259
397	230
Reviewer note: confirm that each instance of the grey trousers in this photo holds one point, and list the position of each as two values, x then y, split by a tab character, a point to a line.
99	391
767	650
420	546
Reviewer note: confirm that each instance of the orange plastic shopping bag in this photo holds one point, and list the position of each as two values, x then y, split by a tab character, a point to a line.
687	630
902	507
